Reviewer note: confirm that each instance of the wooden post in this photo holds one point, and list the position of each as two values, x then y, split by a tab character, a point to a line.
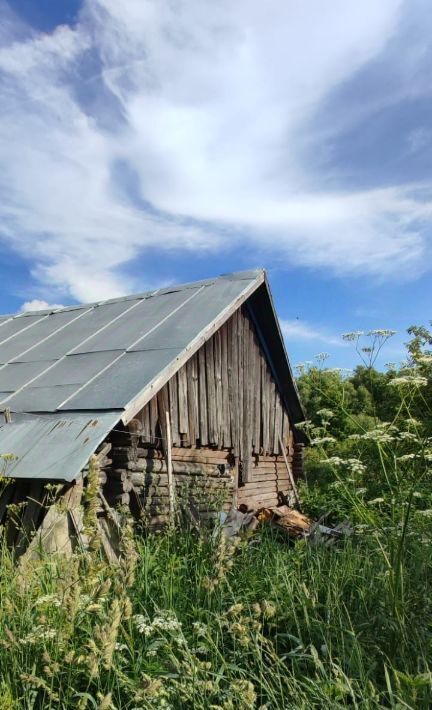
291	477
169	465
7	415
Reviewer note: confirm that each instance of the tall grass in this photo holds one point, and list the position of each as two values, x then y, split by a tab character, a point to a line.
189	619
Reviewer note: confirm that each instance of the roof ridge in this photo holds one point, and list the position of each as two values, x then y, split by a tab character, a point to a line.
235	275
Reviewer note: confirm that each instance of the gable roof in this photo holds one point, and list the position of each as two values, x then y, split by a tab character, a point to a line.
69	375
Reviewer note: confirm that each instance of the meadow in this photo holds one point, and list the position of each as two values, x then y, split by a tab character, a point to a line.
189	619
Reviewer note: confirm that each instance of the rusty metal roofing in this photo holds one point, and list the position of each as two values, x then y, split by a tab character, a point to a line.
101	362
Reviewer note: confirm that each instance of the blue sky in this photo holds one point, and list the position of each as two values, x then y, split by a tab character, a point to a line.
151	141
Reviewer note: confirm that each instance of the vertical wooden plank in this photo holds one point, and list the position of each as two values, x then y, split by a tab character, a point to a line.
145	421
233	382
265	406
240	377
226	424
285	429
217	353
173	399
183	401
278	424
202	397
211	393
169	465
153	419
257	396
192	401
247	402
272	412
163	407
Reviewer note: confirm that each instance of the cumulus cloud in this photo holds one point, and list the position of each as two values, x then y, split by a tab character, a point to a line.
178	126
39	305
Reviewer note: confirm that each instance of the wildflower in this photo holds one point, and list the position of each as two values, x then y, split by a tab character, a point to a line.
235	609
376	501
425	513
48	599
382	333
165	621
356	466
408	380
407	457
417	494
199	628
322	440
335	461
351	337
39	633
325	413
360	491
407	435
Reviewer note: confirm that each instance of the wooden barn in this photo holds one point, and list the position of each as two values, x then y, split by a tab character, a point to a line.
185	396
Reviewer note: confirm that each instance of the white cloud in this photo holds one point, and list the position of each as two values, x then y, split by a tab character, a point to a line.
296	330
39	305
205	104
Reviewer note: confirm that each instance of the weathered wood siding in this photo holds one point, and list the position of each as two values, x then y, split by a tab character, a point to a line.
224	397
227	419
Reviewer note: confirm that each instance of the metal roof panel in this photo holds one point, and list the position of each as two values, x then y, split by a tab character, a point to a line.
148	314
76	332
115	387
53	446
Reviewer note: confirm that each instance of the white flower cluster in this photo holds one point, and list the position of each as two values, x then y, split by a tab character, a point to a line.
408	381
322	440
351	337
165	621
48	600
407	457
325	413
354	465
39	633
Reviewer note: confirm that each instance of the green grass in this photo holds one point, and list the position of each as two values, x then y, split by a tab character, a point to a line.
190	620
212	625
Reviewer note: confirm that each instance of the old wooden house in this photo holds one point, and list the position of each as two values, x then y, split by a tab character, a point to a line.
185	391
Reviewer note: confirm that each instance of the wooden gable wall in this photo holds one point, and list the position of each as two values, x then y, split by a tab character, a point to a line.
225	397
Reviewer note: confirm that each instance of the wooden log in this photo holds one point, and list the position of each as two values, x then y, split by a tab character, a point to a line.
114	485
204	469
117	498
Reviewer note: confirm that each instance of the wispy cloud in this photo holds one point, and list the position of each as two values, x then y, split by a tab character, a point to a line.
296	330
180	126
